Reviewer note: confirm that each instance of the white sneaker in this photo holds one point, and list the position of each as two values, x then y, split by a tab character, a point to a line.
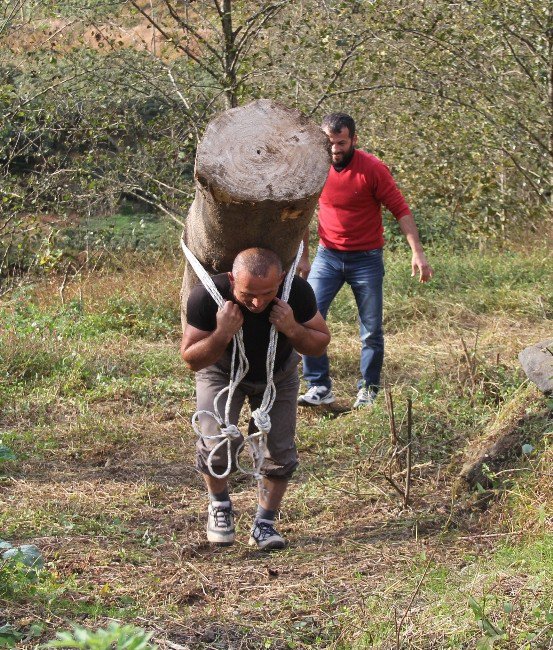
220	523
317	395
365	397
265	537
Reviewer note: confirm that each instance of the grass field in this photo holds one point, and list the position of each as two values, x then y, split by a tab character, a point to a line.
95	404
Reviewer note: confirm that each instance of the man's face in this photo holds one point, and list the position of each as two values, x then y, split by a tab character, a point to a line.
341	144
256	294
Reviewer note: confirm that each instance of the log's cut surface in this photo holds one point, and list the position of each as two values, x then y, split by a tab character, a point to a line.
260	169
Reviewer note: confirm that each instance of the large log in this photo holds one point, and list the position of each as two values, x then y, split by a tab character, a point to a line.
259	171
501	443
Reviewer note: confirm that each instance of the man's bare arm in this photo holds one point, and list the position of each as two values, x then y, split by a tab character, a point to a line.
419	264
200	348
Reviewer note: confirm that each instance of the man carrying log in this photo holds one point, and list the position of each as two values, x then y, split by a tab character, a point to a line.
252	293
350	251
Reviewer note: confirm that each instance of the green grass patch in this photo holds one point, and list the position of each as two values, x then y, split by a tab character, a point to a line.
147	320
505	283
487	603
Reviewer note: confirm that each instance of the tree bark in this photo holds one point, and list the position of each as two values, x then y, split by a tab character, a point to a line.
259	171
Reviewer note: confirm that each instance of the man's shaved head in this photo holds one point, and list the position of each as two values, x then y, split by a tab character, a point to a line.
257	262
255	278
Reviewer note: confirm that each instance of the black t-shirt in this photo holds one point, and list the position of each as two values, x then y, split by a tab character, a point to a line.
202	310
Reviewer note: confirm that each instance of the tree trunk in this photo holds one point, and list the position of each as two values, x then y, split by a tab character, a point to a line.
259	171
229	59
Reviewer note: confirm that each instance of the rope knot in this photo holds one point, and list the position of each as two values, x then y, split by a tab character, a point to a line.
230	432
262	420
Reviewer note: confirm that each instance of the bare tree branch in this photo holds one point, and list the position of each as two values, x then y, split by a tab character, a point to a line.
337	74
183	48
187	26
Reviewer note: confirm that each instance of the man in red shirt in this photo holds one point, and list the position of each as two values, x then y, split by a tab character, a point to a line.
350	250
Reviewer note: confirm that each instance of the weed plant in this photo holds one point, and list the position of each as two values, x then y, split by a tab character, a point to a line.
120	637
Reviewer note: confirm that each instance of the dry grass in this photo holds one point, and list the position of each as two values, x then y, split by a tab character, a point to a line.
105	486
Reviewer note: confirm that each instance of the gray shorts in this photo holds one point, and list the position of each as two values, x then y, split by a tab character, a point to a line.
281	457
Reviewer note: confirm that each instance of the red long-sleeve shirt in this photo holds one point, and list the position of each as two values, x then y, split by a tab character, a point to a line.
350	206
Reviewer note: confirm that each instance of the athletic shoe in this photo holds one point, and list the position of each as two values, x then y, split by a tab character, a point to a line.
317	395
365	397
220	523
265	537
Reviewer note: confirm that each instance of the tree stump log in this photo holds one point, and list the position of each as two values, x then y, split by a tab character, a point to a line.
259	171
500	444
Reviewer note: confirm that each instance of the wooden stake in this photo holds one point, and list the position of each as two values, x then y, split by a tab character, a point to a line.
394	438
408	453
391	416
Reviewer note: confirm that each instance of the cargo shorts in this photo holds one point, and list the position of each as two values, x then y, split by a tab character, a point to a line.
281	456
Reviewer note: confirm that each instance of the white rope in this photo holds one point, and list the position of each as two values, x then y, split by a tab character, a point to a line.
262	420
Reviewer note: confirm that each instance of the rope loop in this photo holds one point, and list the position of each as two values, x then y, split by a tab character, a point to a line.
224	441
196	425
257	443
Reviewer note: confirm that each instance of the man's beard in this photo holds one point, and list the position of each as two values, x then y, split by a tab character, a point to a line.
346	159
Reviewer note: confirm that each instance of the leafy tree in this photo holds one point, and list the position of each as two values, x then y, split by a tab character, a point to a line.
459	95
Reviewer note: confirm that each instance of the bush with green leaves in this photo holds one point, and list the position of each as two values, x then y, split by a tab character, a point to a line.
123	231
9	636
19	580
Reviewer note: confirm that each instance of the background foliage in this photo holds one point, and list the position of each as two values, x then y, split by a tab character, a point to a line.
104	102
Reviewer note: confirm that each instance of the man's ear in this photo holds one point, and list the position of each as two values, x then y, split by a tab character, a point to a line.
230	277
354	140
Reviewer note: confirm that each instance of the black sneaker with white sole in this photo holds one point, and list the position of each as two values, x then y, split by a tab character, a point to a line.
265	537
220	523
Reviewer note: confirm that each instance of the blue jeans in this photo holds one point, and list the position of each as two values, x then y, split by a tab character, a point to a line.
364	272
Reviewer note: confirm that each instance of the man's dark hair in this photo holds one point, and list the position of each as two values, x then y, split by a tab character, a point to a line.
335	122
257	261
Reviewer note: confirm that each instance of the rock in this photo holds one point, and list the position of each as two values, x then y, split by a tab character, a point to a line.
4	546
27	554
537	363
